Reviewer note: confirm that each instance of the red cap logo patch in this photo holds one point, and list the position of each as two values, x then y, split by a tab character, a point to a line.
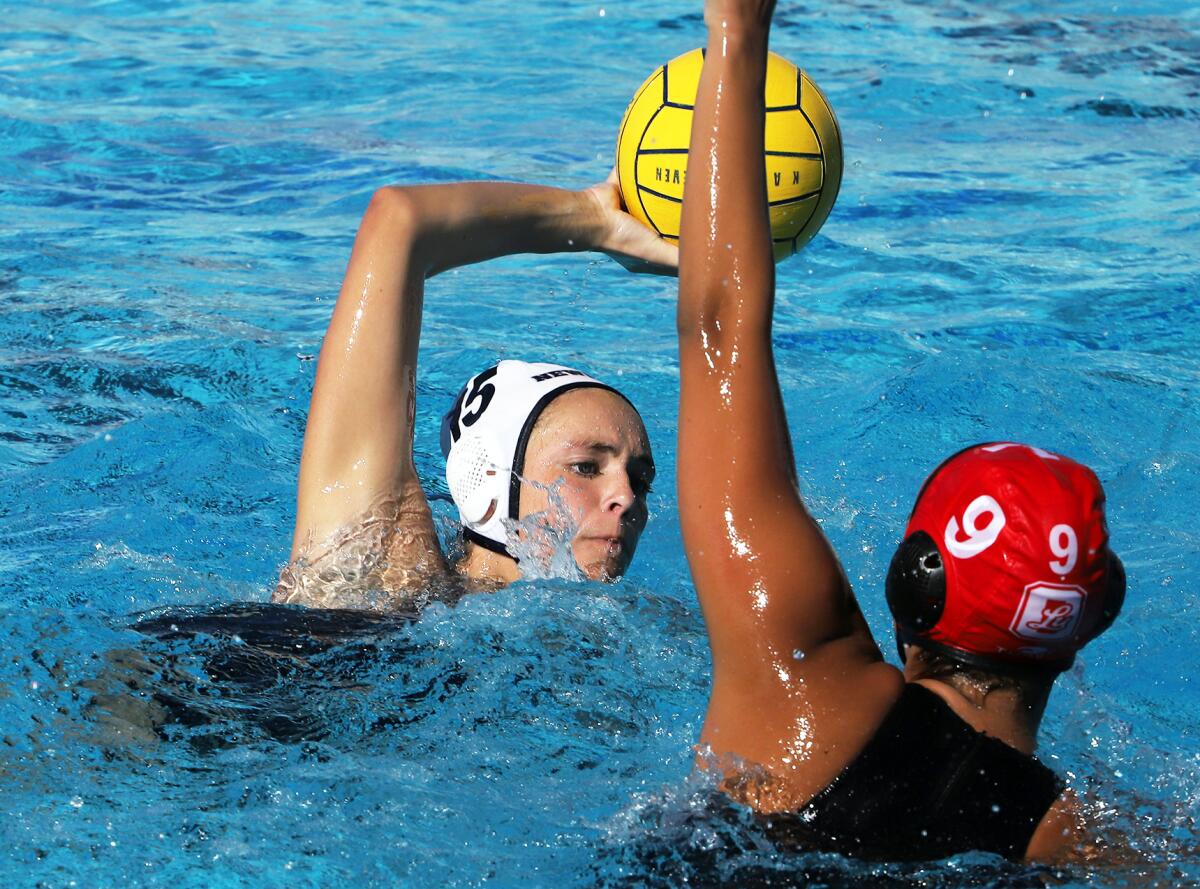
1049	611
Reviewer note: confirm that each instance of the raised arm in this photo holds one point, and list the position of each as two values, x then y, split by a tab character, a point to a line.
358	441
776	602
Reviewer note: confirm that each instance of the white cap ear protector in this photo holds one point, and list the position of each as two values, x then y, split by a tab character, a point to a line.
484	436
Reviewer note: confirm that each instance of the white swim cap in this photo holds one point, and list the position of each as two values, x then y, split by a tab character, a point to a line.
484	436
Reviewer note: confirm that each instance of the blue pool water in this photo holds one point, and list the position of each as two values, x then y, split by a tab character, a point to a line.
1014	255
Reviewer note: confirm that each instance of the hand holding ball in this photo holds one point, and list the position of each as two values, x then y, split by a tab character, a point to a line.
803	157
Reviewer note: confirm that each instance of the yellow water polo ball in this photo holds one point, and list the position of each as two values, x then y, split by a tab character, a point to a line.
802	141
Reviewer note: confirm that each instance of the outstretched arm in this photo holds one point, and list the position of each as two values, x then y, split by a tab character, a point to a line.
358	441
776	602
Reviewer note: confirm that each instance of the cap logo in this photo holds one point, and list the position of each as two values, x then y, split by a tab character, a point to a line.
977	539
1049	611
551	374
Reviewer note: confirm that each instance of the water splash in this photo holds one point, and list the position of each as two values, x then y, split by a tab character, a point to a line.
541	542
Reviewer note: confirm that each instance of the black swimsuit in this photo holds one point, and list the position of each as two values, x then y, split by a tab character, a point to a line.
926	786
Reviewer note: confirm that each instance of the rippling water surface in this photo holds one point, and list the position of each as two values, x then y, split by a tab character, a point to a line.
1014	255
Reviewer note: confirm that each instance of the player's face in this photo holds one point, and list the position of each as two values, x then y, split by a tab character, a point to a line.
593	445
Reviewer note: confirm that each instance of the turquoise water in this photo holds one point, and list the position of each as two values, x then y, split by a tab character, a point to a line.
1014	255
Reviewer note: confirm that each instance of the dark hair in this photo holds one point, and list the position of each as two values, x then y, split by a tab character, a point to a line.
977	682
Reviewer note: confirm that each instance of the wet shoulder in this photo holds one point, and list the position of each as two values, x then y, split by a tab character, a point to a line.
794	733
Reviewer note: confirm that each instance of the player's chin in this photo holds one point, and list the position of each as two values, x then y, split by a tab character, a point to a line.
605	572
602	560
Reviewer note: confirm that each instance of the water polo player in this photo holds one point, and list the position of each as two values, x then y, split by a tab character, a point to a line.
364	535
1004	574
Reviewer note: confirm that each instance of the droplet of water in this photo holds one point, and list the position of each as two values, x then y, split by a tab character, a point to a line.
798	655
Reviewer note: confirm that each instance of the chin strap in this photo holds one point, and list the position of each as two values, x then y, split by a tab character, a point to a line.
487	543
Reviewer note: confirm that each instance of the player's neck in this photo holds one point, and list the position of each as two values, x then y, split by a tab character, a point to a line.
481	564
1004	714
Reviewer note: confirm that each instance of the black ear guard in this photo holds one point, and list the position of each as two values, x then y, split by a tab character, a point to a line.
916	584
1114	595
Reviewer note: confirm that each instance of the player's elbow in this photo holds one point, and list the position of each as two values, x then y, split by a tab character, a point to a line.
392	207
723	307
702	315
722	332
391	223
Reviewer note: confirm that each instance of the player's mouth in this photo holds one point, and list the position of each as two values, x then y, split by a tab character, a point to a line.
612	545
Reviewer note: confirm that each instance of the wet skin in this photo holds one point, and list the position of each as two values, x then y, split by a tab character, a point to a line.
591	446
799	684
357	460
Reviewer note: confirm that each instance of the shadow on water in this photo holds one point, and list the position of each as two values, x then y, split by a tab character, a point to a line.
245	673
213	679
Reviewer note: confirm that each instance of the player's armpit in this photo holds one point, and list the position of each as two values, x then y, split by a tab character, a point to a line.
388	558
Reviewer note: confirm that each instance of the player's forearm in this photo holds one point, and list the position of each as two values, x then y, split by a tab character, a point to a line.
466	222
726	279
358	442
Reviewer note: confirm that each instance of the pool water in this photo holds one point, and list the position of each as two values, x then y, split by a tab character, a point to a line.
1014	255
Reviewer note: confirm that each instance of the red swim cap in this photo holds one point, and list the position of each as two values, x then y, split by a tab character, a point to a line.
1025	574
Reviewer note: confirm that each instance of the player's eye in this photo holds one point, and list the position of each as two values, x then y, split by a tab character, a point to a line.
586	468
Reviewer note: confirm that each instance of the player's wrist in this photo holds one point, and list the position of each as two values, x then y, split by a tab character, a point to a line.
545	219
737	40
740	24
589	226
